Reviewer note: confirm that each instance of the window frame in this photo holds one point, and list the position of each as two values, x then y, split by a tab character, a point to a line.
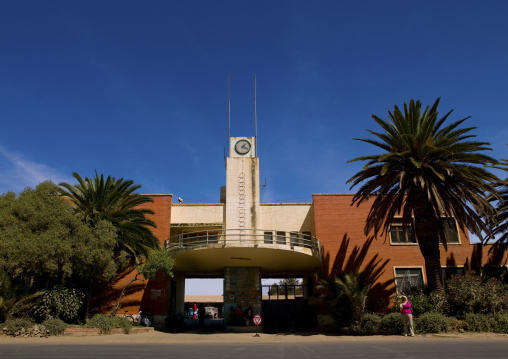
445	268
443	231
397	222
424	279
268	237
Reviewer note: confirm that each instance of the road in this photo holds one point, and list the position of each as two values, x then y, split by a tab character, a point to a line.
409	349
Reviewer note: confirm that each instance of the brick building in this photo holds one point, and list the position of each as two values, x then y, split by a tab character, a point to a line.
243	241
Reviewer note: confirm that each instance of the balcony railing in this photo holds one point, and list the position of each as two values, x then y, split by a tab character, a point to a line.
243	237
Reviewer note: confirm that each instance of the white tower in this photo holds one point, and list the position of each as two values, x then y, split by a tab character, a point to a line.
242	185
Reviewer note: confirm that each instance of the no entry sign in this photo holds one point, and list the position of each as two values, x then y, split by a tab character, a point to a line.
256	319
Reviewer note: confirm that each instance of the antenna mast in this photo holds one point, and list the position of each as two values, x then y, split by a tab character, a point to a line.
255	116
229	107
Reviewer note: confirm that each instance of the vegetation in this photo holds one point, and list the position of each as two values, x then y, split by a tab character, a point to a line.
60	247
103	322
158	261
499	225
54	326
115	200
432	323
60	303
425	171
293	286
345	294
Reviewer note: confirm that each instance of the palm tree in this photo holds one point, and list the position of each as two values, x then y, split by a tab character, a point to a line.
500	224
115	200
426	171
346	294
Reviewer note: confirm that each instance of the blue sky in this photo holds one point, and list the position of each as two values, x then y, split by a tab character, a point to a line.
139	89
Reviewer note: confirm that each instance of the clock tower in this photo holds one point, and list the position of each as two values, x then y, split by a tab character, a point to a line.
242	185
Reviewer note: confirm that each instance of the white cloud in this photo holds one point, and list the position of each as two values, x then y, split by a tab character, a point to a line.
18	173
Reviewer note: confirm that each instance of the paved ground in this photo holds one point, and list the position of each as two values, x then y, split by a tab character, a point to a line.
206	336
247	346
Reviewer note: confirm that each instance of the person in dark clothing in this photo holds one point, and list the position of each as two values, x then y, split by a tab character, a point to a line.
248	315
201	315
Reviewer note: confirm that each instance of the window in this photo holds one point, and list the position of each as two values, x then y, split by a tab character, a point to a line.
307	239
281	237
294	238
268	237
449	233
447	272
406	278
398	236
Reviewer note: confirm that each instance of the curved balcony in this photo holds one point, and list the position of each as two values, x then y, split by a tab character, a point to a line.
273	251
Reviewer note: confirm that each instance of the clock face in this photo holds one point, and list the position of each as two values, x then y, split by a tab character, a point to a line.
242	147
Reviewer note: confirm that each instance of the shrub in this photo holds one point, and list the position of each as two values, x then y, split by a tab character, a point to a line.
393	323
477	322
124	323
61	303
103	322
471	293
500	323
14	325
421	302
456	324
370	323
54	326
431	323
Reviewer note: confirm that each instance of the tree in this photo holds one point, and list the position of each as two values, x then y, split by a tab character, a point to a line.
499	225
42	239
345	294
292	285
426	171
115	201
45	243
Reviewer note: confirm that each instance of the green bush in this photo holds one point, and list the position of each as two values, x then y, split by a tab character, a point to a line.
477	322
54	326
370	323
124	323
456	324
421	302
102	322
14	325
471	293
500	322
431	323
393	323
60	303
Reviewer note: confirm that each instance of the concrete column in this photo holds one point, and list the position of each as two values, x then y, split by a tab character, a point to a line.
180	294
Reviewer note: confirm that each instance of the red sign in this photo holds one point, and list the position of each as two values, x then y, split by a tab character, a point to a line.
256	319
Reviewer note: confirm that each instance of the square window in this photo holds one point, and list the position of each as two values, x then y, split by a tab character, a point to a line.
447	272
294	238
268	236
281	237
449	233
398	236
406	278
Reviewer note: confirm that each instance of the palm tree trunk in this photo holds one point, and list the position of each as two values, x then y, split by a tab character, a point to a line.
427	232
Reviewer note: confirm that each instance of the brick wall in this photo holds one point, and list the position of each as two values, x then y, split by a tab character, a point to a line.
145	295
340	229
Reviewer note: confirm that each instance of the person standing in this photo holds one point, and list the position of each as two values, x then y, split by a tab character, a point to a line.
201	315
407	317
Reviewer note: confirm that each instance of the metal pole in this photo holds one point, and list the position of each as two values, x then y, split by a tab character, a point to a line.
255	116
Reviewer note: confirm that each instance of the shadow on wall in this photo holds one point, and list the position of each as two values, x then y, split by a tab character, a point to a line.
105	296
356	259
495	258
